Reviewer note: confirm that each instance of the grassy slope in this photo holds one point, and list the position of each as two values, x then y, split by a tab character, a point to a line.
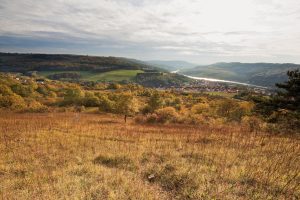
117	75
88	156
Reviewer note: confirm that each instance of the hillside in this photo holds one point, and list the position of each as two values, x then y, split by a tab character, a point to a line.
89	156
263	74
61	62
62	140
88	68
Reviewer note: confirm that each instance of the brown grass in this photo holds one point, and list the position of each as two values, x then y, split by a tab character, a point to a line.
89	156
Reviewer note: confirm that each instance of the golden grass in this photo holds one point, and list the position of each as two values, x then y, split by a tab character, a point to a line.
89	156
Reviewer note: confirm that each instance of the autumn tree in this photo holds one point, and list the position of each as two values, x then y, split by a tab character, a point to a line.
231	109
72	96
155	102
127	105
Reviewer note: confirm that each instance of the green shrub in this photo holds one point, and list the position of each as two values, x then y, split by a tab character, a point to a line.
22	90
155	102
72	96
90	100
106	105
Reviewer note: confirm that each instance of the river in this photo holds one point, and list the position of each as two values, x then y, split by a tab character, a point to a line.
218	80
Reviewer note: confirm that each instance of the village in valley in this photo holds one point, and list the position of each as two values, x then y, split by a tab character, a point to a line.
214	87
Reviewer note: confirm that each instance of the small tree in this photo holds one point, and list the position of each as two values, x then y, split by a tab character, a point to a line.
73	96
155	102
127	105
283	108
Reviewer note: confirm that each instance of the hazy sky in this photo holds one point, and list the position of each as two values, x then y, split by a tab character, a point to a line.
200	31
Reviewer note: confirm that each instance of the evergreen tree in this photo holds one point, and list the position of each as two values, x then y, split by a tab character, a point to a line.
289	95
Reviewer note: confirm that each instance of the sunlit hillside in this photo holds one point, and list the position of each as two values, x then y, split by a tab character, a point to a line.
92	156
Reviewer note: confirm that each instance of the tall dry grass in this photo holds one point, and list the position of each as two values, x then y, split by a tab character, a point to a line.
89	156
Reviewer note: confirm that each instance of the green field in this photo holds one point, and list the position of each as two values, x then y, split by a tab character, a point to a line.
117	75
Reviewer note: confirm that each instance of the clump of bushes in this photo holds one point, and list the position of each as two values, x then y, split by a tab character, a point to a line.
167	114
35	106
13	102
162	115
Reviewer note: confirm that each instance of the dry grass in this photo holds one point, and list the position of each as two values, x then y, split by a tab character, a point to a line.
88	156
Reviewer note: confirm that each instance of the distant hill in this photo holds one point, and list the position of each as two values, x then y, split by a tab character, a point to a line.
158	79
263	74
171	65
60	62
88	68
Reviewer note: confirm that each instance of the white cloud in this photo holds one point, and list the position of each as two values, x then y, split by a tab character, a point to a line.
199	30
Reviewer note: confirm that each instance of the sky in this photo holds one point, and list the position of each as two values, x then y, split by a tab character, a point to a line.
198	31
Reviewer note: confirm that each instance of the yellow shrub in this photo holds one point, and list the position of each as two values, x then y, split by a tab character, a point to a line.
14	102
35	106
167	114
252	123
200	108
246	106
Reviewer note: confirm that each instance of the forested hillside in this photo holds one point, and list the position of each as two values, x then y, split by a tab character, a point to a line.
78	68
59	62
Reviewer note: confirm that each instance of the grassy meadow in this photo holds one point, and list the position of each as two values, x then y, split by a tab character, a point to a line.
98	156
116	75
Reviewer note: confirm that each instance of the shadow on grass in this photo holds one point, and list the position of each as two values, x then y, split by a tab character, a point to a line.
120	162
